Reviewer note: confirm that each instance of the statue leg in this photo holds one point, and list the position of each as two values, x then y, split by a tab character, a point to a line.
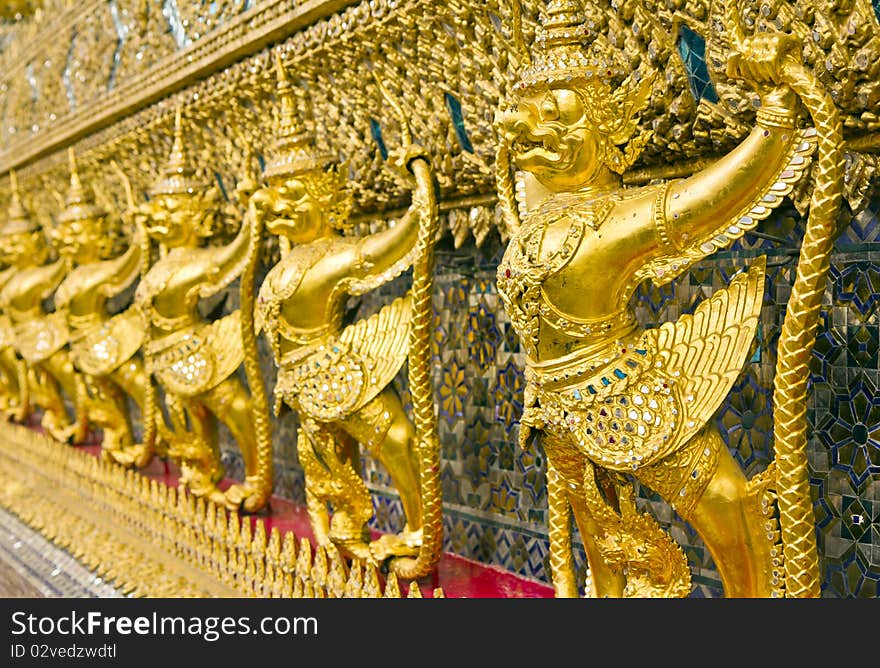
708	489
60	367
193	444
331	462
46	393
8	385
109	411
15	380
133	379
383	427
566	484
231	402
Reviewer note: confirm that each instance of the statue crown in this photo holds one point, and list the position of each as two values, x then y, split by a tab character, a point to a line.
80	203
294	152
295	155
178	176
570	49
18	219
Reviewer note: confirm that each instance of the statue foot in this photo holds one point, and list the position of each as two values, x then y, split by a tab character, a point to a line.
19	414
249	496
405	544
355	548
202	484
63	434
136	456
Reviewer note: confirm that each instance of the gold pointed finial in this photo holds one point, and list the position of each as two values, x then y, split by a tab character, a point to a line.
178	176
392	586
294	152
80	202
288	552
355	581
18	219
371	588
569	47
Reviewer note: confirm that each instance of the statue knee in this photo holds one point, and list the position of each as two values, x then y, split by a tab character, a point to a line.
401	433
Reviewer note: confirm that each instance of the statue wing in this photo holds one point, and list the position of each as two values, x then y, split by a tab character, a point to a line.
705	352
666	268
331	380
382	344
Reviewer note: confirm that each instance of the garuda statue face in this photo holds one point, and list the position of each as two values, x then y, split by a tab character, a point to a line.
551	135
292	211
572	117
181	218
83	240
24	248
22	241
82	233
306	206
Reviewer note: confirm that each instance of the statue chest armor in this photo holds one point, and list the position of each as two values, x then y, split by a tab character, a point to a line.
275	313
527	267
165	294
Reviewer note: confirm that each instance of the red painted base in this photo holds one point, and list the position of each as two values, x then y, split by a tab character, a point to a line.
457	576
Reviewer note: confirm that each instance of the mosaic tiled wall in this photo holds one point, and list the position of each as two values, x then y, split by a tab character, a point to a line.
494	492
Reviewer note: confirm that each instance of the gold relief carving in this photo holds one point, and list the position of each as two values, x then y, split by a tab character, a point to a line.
91	63
150	540
469	55
649	125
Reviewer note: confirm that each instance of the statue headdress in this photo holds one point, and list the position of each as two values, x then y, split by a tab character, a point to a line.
295	155
571	49
178	176
18	219
80	202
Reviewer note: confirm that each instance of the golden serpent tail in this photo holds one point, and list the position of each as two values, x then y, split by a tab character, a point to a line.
421	385
797	338
506	189
562	571
259	402
150	408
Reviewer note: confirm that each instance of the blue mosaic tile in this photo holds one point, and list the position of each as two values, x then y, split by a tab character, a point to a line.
692	48
851	431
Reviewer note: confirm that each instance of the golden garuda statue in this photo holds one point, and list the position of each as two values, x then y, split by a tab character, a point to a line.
40	338
104	348
194	360
615	403
14	400
337	376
